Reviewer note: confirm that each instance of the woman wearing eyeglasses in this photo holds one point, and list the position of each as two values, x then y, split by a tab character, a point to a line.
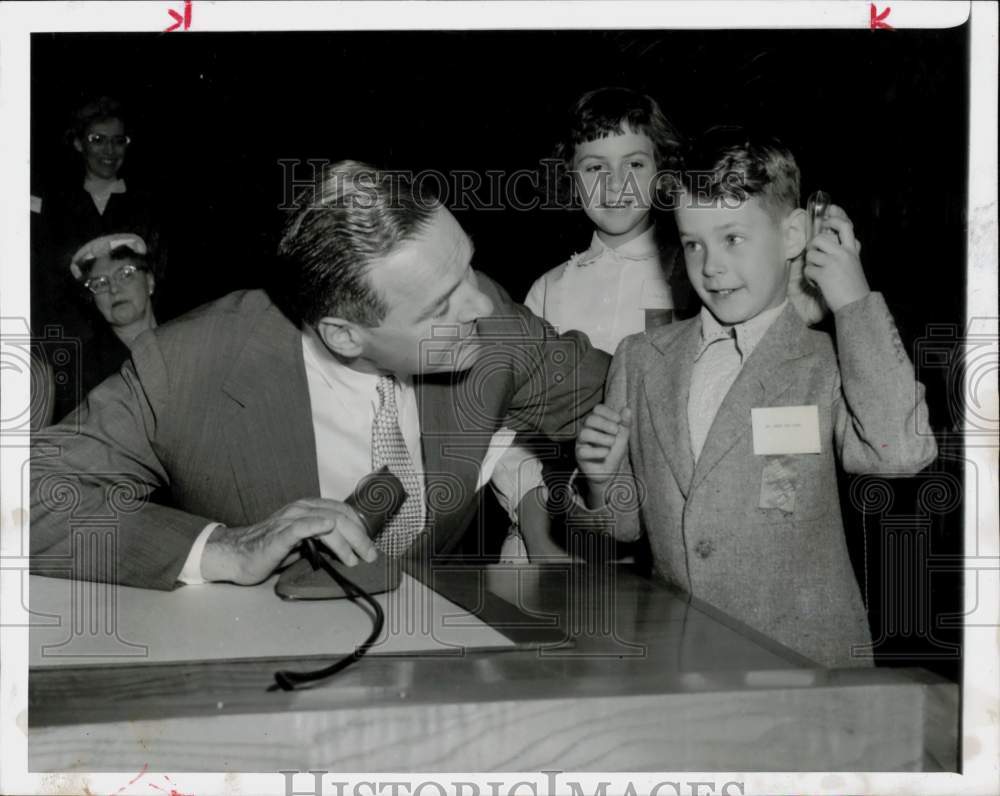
102	146
98	201
115	273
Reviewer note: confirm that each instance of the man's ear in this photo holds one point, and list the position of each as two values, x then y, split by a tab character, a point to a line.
795	232
342	337
77	144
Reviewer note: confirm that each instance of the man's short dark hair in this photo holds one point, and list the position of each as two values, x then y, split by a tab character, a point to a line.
352	215
736	164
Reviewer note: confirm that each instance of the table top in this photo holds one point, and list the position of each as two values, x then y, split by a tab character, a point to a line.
578	629
81	624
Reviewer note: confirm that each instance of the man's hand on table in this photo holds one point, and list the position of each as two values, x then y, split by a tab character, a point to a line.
249	554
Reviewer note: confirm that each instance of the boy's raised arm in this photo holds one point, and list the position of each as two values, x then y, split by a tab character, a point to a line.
879	408
880	411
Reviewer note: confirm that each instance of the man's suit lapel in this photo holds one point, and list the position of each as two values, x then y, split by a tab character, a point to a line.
434	410
761	382
453	447
667	384
273	446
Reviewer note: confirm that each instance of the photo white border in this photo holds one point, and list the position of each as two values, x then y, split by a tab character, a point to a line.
981	725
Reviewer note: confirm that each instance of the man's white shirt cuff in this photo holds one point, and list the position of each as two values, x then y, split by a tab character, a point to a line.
191	573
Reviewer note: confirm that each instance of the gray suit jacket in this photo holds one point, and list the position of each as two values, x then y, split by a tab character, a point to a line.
784	571
212	413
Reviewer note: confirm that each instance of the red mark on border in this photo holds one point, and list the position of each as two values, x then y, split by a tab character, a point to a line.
135	779
145	767
876	21
171	792
183	22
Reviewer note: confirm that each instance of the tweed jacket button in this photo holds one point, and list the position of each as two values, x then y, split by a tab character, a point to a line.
704	548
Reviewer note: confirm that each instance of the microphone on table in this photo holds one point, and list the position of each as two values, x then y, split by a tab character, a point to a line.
318	576
376	499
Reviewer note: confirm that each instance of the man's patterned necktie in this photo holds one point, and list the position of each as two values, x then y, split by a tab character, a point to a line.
389	448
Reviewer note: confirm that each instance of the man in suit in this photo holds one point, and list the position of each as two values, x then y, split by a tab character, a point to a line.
252	418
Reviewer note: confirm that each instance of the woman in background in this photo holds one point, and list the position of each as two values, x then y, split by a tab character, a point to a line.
112	275
114	271
98	202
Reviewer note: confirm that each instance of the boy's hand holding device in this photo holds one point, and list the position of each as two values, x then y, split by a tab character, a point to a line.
833	262
600	449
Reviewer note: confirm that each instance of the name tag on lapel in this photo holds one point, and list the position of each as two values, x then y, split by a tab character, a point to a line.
779	430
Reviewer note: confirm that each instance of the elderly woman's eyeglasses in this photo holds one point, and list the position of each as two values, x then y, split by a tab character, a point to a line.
102	284
100	139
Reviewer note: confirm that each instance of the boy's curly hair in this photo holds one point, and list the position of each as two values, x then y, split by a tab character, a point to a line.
735	163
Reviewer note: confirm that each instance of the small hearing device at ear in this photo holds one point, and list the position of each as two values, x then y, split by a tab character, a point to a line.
816	209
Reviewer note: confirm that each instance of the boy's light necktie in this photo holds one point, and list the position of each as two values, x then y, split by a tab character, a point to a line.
715	371
389	449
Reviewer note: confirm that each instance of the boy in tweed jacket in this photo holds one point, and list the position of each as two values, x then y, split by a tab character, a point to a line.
719	436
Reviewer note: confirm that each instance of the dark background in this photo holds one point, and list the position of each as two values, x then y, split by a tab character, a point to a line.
877	119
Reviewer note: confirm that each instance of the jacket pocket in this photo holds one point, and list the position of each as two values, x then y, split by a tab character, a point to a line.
783	494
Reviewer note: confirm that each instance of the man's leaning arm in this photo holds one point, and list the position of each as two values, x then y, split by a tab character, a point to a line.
558	378
92	480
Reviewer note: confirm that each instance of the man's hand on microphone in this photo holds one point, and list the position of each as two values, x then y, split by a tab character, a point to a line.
249	554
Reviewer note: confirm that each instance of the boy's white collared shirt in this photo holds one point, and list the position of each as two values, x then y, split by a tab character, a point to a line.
717	363
604	292
748	334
